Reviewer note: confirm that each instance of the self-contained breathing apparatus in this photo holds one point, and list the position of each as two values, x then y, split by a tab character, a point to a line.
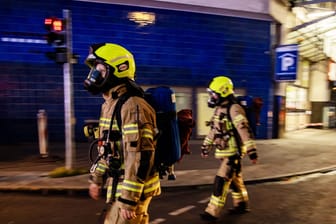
105	151
224	133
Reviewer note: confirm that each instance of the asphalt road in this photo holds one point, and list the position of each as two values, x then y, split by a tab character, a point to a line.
309	200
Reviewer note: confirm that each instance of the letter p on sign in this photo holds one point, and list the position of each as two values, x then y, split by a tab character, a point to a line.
286	62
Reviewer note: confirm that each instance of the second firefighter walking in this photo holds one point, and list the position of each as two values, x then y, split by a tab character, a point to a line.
231	138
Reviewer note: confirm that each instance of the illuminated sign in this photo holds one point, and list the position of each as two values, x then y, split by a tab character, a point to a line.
286	62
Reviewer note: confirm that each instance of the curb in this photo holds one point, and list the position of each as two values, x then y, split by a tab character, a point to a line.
290	175
80	191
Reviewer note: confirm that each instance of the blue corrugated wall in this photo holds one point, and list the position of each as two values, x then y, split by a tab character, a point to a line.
179	49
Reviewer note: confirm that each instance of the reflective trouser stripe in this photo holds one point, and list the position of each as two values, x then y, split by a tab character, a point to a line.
217	203
239	192
237	196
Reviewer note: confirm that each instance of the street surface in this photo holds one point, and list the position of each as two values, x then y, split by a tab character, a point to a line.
309	200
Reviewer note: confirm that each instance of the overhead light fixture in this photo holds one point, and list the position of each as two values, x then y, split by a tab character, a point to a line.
142	18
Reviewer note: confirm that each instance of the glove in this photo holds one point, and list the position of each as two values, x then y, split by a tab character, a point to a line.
253	155
204	151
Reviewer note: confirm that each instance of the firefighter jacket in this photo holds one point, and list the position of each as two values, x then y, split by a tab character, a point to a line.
222	134
136	149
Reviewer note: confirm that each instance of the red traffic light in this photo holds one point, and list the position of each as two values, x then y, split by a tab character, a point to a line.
56	28
48	21
57	25
54	24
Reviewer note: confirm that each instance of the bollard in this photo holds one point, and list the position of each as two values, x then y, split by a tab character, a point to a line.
42	133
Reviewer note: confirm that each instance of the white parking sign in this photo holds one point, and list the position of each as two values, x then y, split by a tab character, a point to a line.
286	62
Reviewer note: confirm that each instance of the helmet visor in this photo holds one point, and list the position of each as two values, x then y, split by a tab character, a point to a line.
96	78
90	60
213	99
212	93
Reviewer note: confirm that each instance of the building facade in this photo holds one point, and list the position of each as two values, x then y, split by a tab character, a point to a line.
182	44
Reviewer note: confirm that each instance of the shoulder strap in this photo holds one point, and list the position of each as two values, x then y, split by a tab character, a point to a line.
117	110
132	90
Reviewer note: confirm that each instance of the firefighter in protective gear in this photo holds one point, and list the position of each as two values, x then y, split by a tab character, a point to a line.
231	138
126	152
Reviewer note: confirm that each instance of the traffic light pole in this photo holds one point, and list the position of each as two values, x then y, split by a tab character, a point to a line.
69	119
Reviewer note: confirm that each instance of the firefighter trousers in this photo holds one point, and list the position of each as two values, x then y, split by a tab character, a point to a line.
228	178
113	213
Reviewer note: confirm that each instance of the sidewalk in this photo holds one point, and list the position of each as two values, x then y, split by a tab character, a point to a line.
300	152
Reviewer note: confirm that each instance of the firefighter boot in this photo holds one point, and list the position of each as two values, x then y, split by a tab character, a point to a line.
205	216
241	208
171	174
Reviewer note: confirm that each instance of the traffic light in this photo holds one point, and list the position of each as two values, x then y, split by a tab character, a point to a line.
56	37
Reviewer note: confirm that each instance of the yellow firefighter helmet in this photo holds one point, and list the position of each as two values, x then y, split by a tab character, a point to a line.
119	63
220	87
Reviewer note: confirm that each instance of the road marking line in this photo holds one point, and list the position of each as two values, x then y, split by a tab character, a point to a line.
205	200
182	210
157	221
